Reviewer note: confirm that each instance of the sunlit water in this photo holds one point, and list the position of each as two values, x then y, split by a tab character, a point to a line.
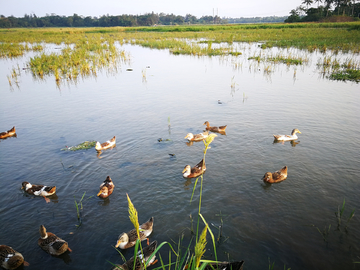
167	96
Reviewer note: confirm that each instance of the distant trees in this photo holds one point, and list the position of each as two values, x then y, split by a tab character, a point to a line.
148	19
349	8
270	19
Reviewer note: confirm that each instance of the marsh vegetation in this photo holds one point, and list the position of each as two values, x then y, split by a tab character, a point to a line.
257	79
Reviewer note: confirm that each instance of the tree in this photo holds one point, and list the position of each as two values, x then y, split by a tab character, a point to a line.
294	16
307	2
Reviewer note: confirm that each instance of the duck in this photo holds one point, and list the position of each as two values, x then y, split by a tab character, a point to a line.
195	171
10	258
214	129
108	144
197	137
225	265
288	137
106	188
275	177
127	240
140	259
39	190
9	133
51	243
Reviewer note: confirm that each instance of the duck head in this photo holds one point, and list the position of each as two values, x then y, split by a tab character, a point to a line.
108	180
189	136
267	177
294	131
26	185
98	146
43	233
122	241
186	171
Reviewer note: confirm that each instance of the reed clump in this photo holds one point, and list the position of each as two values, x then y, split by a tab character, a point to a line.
280	58
83	59
343	70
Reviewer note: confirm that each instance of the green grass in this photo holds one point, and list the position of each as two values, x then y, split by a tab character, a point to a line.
346	75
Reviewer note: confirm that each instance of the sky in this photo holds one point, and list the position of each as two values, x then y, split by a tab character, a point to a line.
198	8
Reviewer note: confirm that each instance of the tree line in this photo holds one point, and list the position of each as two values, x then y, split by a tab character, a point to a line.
149	19
324	10
75	20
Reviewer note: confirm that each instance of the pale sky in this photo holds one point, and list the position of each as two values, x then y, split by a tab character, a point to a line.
198	8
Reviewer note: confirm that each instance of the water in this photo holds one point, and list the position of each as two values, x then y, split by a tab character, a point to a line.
260	222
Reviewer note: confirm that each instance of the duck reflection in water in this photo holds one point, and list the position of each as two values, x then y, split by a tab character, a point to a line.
292	143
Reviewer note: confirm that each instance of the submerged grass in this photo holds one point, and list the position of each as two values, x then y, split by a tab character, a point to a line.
335	69
280	58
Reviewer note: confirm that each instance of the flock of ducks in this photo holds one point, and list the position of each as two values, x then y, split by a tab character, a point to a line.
54	245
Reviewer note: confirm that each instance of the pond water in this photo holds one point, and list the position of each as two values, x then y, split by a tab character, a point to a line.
167	96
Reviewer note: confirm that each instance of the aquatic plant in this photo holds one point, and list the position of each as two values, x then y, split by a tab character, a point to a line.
335	69
339	213
79	207
82	146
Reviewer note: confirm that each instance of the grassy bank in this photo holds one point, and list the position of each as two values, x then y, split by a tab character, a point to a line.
311	36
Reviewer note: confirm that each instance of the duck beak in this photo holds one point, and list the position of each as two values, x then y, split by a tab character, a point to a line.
117	243
99	193
184	170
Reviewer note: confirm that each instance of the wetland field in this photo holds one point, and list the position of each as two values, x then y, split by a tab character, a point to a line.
65	88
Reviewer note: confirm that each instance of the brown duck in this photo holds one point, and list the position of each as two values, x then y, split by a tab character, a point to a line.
51	243
106	188
10	258
195	171
147	251
215	129
127	240
9	133
275	177
108	144
39	190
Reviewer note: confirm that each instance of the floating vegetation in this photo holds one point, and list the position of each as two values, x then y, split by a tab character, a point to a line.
280	58
335	69
346	75
82	146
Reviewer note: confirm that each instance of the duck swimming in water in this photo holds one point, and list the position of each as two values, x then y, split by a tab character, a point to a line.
215	129
288	137
9	133
197	137
275	177
127	240
52	244
106	145
195	171
106	188
39	190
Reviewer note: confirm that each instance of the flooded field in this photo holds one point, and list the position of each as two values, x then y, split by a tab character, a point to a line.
150	103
